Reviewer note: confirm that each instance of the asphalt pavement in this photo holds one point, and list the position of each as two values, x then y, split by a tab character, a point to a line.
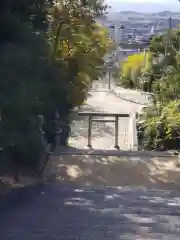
65	212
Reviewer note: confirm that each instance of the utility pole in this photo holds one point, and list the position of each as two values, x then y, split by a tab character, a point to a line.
170	23
109	79
168	41
169	30
113	28
109	73
145	57
178	30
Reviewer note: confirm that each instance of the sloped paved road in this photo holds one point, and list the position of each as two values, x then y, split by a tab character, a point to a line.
62	212
133	96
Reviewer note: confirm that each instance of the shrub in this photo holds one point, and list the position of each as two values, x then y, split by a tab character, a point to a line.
161	132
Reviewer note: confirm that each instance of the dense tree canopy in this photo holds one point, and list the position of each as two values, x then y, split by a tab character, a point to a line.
50	54
79	45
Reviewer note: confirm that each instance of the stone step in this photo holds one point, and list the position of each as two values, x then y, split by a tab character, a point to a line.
109	152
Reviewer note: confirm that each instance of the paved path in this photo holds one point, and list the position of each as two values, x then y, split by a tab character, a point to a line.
65	212
134	96
103	133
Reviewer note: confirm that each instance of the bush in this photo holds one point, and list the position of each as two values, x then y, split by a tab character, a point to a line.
161	132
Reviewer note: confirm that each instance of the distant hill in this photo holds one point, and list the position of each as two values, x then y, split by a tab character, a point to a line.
135	14
160	14
167	13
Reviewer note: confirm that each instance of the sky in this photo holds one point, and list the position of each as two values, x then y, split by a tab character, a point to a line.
147	1
144	5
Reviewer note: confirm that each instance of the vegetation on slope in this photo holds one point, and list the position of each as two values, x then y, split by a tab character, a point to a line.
159	74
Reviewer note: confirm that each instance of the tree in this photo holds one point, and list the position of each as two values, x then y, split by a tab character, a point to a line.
160	129
49	55
79	45
161	61
132	68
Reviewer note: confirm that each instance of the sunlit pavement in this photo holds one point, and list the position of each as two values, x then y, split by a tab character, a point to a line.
134	96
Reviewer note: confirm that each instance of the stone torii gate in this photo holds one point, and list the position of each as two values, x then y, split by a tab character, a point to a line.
93	117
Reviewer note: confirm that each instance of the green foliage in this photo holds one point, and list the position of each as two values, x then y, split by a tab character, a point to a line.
161	132
146	72
79	46
132	69
49	55
159	127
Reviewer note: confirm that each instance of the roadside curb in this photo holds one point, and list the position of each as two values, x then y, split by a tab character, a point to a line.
118	153
118	94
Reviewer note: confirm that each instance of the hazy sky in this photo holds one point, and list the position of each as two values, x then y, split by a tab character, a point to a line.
148	1
144	5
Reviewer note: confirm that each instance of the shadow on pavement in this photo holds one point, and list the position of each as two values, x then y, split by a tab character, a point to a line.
69	212
113	170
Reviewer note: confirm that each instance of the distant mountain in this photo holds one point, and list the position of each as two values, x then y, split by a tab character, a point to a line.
126	14
151	7
167	13
159	14
130	12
